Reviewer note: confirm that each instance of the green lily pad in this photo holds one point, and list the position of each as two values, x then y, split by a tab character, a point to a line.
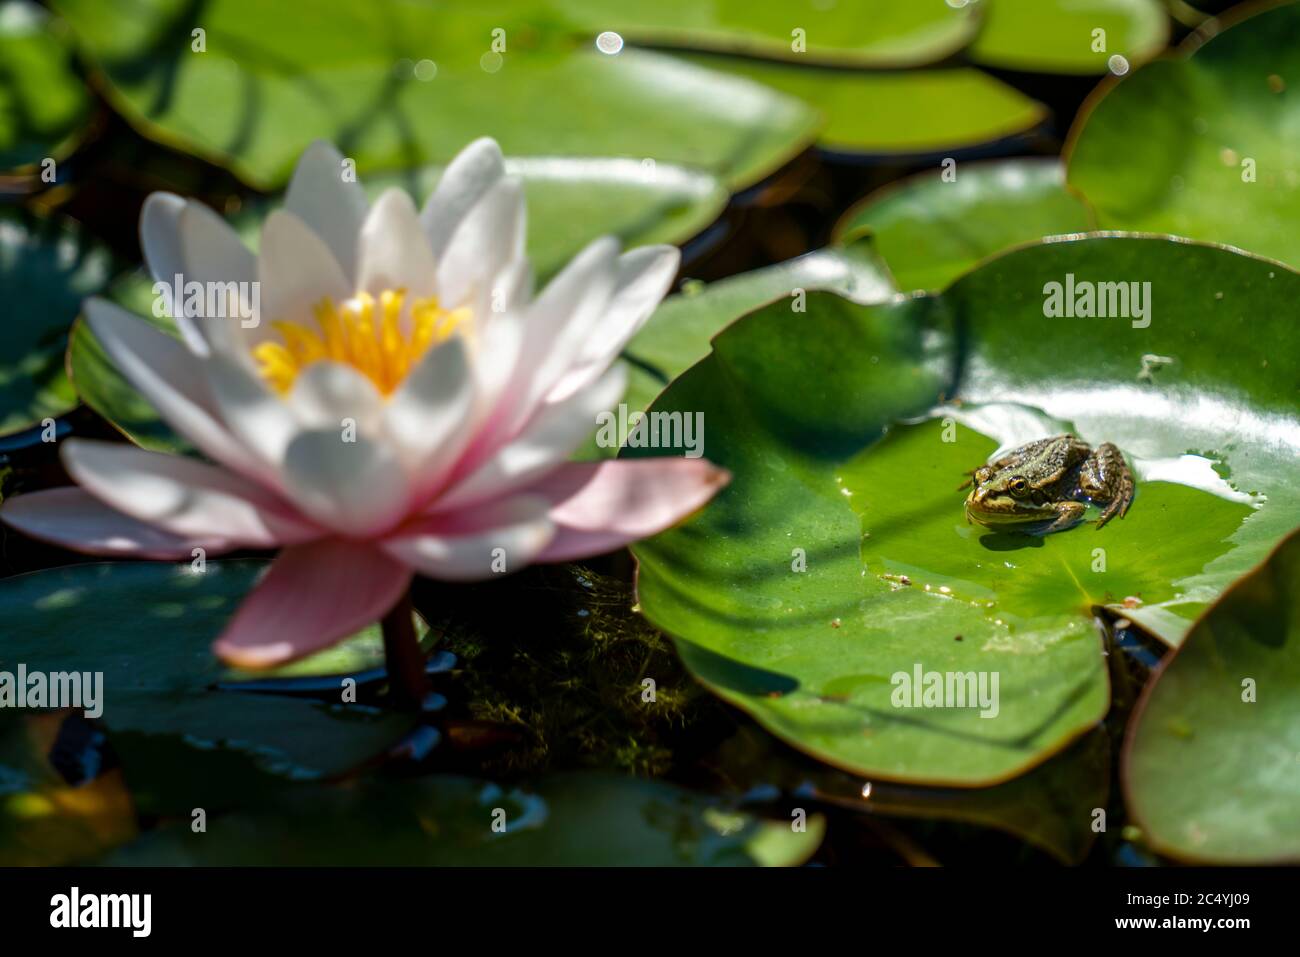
864	33
1205	140
148	628
1203	396
930	230
1210	770
907	112
1053	807
43	103
590	819
678	334
100	385
892	577
396	85
1060	36
46	267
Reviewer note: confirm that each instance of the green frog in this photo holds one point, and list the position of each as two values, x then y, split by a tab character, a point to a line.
1048	483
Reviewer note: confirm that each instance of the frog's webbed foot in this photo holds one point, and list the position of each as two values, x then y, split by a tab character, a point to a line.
1068	514
1105	478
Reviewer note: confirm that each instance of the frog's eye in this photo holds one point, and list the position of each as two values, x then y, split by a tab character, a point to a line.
1019	485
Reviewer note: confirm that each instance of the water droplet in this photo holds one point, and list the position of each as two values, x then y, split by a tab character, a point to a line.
609	43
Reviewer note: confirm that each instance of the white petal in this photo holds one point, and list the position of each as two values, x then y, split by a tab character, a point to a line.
556	327
467	177
327	395
296	270
259	419
214	254
188	498
553	435
332	207
513	288
172	379
394	251
354	487
488	239
73	518
430	417
464	547
644	276
160	240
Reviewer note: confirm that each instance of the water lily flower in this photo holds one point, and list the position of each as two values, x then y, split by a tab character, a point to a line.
402	404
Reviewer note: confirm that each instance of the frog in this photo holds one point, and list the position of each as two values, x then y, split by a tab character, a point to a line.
1045	486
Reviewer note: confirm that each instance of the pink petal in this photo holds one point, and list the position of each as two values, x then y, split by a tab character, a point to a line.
73	518
473	544
184	497
600	506
553	435
551	333
314	596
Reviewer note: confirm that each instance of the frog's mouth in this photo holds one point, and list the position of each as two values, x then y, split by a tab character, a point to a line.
993	512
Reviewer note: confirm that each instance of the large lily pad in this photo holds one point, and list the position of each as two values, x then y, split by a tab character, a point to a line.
796	406
865	33
398	84
1205	140
43	102
46	267
576	820
1203	396
906	112
930	229
148	628
678	334
1210	763
1059	36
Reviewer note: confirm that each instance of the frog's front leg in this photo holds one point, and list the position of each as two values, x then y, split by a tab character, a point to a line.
1067	515
1105	478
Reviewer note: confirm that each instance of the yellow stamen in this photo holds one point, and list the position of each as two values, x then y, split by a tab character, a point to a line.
356	333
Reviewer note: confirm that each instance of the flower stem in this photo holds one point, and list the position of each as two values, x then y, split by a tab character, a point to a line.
407	683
